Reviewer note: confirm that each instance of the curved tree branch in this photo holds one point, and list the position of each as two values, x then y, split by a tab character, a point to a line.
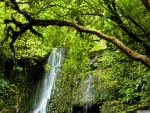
132	54
33	22
115	16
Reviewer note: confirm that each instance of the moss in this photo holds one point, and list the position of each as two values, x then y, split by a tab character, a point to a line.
2	104
112	107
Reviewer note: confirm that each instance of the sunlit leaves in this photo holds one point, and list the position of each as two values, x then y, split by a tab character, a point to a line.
18	68
115	69
46	67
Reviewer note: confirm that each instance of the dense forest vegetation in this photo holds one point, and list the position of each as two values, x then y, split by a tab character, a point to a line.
108	38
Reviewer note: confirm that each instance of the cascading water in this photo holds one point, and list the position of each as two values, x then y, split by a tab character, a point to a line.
87	93
55	61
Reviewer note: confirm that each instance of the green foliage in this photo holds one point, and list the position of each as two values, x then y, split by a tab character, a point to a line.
117	77
47	67
121	80
112	107
18	68
2	104
3	87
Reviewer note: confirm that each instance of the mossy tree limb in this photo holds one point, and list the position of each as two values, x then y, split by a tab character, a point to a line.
23	27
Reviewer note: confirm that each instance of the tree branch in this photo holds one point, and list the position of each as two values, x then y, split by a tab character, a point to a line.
33	22
132	54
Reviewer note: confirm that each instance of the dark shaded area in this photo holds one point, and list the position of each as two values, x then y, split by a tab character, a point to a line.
19	78
32	69
86	109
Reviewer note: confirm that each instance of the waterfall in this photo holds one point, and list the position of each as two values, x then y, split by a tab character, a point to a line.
87	94
44	93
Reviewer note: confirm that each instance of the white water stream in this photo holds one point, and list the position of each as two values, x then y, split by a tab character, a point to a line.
87	93
54	61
